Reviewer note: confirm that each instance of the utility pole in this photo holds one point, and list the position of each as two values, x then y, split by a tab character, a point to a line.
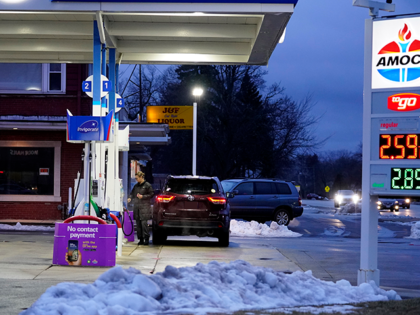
140	95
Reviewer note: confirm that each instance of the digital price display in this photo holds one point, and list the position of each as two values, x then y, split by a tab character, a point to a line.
405	178
395	146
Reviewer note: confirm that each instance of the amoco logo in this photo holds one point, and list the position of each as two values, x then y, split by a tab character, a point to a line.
404	102
400	61
88	126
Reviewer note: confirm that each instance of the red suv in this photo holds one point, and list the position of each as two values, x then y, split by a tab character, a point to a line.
191	205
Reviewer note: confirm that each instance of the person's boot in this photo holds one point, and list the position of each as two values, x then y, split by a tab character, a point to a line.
146	241
141	242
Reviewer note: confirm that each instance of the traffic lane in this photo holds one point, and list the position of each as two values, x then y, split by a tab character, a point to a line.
413	211
340	258
317	220
324	226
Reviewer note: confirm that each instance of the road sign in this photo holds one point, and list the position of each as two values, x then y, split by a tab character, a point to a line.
327	188
87	86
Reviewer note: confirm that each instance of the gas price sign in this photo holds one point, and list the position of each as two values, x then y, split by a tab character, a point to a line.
399	146
394	99
405	178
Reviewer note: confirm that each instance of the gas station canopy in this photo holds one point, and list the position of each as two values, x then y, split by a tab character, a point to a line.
239	32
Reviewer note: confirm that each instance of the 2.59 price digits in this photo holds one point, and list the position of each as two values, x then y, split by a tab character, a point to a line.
405	178
398	147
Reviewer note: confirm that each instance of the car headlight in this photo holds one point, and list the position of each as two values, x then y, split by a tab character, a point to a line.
339	198
355	198
407	200
396	201
396	207
379	202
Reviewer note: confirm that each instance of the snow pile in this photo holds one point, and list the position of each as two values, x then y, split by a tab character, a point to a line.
384	232
20	227
215	287
253	228
350	208
415	230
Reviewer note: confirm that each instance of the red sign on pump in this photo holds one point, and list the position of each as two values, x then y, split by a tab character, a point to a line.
404	102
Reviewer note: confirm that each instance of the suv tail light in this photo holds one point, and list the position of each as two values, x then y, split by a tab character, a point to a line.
300	201
165	199
217	201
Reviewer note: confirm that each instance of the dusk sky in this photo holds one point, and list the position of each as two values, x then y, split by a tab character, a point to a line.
322	55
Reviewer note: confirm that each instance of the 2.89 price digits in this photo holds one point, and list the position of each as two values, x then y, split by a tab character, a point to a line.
405	178
398	146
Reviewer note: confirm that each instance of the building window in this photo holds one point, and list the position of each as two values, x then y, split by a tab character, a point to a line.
30	170
54	77
31	78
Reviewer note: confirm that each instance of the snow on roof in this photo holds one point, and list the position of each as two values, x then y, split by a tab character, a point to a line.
215	287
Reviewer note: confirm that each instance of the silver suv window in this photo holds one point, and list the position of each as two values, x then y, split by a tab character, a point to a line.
346	192
228	184
265	188
245	189
283	189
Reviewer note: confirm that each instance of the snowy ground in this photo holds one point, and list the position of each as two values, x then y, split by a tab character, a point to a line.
215	287
415	230
20	227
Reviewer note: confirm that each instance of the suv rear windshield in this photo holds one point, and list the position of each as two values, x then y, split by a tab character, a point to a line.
191	186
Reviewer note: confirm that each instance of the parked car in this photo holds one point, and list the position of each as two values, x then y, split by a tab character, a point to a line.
343	197
263	200
391	204
404	203
314	196
191	205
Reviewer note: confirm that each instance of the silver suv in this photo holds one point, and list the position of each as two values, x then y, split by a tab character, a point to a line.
263	200
343	197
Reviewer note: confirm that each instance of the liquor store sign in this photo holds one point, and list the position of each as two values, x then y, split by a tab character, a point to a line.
177	117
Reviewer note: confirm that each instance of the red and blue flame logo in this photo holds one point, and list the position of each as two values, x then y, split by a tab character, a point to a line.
407	70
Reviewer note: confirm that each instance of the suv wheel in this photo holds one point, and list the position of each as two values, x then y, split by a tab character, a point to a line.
158	237
282	217
224	239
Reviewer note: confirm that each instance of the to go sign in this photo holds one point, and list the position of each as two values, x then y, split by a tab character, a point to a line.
404	102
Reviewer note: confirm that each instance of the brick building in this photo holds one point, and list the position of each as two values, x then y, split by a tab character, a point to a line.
37	165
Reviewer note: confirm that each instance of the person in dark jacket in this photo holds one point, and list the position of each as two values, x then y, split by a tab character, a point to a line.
141	194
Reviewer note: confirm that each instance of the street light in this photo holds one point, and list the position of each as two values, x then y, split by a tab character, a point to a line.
197	92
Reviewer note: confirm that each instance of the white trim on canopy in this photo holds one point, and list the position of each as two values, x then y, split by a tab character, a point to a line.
41	31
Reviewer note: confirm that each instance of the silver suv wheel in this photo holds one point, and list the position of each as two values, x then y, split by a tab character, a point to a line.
282	217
